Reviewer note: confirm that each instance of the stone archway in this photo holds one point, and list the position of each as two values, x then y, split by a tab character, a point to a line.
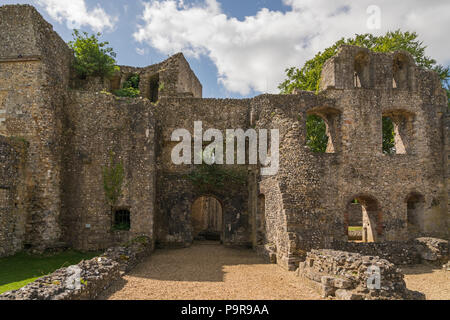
207	219
363	219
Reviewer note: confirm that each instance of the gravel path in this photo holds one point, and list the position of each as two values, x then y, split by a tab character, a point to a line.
211	272
432	281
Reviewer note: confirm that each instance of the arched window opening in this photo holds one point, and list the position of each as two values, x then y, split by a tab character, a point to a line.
400	70
322	125
415	210
261	220
361	71
206	219
363	220
397	132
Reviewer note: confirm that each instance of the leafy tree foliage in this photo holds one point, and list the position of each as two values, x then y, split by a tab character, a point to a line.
92	57
388	136
316	137
308	77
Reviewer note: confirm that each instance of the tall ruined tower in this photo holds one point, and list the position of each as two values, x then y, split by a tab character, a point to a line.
34	74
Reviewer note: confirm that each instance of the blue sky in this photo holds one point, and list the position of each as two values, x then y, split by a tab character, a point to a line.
240	48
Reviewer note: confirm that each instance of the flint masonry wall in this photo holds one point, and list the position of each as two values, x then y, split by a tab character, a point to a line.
34	72
307	200
175	193
69	134
13	195
95	126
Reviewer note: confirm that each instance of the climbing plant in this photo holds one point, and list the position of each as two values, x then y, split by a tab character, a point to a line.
214	177
113	176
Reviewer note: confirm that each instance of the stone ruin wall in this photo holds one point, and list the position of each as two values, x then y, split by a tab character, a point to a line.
96	127
316	188
175	193
71	132
34	73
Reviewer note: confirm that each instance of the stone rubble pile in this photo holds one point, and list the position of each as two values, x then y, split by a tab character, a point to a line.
433	250
410	252
350	276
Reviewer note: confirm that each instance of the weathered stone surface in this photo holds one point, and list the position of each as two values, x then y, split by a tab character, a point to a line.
432	249
130	254
96	275
71	126
349	276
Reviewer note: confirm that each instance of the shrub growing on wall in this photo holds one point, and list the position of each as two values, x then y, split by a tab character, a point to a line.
130	87
92	57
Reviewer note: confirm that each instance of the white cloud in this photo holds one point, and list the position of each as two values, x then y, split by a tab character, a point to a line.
140	51
76	14
253	53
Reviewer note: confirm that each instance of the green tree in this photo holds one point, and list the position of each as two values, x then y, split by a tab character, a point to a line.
92	57
316	138
308	76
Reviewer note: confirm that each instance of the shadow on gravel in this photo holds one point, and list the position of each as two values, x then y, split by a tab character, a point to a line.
203	261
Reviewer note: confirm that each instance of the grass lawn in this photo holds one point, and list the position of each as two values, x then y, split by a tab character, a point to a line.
19	270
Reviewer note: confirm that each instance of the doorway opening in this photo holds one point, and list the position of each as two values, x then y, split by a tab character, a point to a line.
207	219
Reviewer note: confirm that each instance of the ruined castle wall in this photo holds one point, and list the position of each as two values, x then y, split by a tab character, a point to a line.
187	80
96	127
176	193
34	72
13	195
316	188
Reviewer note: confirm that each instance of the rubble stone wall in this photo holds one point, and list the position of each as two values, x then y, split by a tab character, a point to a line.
350	276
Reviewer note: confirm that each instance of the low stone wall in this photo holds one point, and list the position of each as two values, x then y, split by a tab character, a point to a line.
96	275
401	253
131	253
346	276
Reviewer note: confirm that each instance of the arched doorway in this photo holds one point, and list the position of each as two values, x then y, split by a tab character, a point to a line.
206	219
363	220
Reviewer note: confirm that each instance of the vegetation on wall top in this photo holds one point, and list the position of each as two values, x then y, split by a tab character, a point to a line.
308	77
130	87
92	57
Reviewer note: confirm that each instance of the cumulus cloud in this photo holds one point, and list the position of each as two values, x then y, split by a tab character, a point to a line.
252	54
76	14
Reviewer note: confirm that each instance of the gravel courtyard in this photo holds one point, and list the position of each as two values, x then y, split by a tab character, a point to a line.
214	272
209	271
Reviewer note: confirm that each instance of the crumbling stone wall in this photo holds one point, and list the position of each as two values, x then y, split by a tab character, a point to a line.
350	276
70	133
97	126
176	193
315	189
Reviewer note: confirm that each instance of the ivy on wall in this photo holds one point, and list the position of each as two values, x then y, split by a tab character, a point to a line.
215	177
113	177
